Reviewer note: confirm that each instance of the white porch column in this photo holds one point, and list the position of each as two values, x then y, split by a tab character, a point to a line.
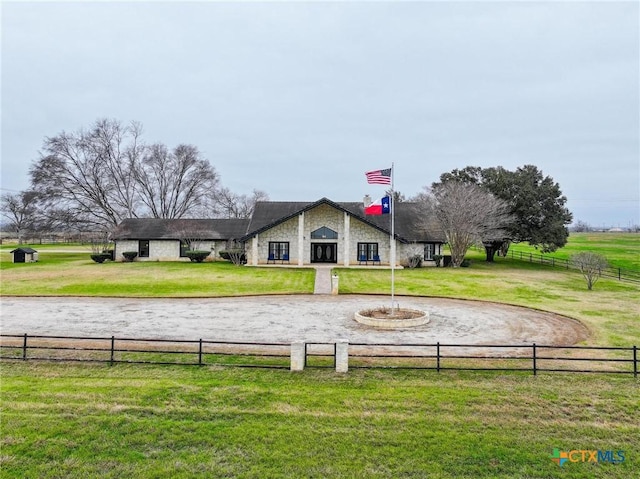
254	251
301	239
347	239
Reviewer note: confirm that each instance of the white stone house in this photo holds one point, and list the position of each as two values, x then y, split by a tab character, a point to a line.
156	239
297	233
327	232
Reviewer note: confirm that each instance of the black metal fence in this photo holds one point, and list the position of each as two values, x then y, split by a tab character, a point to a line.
620	274
113	350
438	357
320	355
534	358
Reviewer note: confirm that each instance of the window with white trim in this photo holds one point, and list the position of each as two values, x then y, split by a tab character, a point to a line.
429	251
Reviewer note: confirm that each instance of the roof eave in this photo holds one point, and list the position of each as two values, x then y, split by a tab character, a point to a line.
308	207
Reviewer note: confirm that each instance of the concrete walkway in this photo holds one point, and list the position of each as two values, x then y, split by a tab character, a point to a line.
323	279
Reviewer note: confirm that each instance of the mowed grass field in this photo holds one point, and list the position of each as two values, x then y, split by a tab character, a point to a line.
622	250
75	274
79	421
86	420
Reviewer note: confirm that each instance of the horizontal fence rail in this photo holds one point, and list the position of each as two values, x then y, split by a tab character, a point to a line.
114	350
340	355
498	357
621	274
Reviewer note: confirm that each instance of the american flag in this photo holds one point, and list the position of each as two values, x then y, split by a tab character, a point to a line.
379	177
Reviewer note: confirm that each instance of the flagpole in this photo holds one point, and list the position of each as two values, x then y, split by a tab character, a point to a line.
392	252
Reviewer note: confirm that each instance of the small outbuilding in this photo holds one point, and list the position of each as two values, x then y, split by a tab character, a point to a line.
24	255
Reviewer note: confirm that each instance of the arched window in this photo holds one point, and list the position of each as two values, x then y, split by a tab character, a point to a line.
324	233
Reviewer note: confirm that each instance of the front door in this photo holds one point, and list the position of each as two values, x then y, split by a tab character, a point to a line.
324	252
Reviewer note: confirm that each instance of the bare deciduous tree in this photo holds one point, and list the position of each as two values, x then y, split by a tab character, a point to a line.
590	265
240	206
190	233
414	255
467	214
173	182
21	211
237	256
120	160
99	242
89	173
107	173
581	227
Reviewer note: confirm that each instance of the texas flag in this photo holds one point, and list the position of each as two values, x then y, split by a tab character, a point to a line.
379	207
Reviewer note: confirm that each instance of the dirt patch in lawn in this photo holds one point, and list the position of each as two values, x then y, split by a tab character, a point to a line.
391	314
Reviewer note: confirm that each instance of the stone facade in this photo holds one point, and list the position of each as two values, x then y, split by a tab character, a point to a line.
284	232
363	233
407	250
167	250
320	232
297	232
124	245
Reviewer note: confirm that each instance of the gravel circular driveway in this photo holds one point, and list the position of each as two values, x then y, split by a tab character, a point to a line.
310	318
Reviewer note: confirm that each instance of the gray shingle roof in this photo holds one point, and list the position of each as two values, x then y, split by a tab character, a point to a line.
157	228
24	250
409	226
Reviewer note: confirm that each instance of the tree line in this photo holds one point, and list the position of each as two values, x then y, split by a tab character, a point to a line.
92	179
495	207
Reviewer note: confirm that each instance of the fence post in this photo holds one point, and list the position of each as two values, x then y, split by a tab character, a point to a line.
635	361
200	352
24	348
298	355
113	343
438	356
535	365
341	356
619	274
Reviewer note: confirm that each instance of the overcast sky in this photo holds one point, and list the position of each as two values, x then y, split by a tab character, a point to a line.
299	99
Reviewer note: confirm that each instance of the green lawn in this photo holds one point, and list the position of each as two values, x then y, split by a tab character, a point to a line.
75	274
622	250
91	420
146	422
